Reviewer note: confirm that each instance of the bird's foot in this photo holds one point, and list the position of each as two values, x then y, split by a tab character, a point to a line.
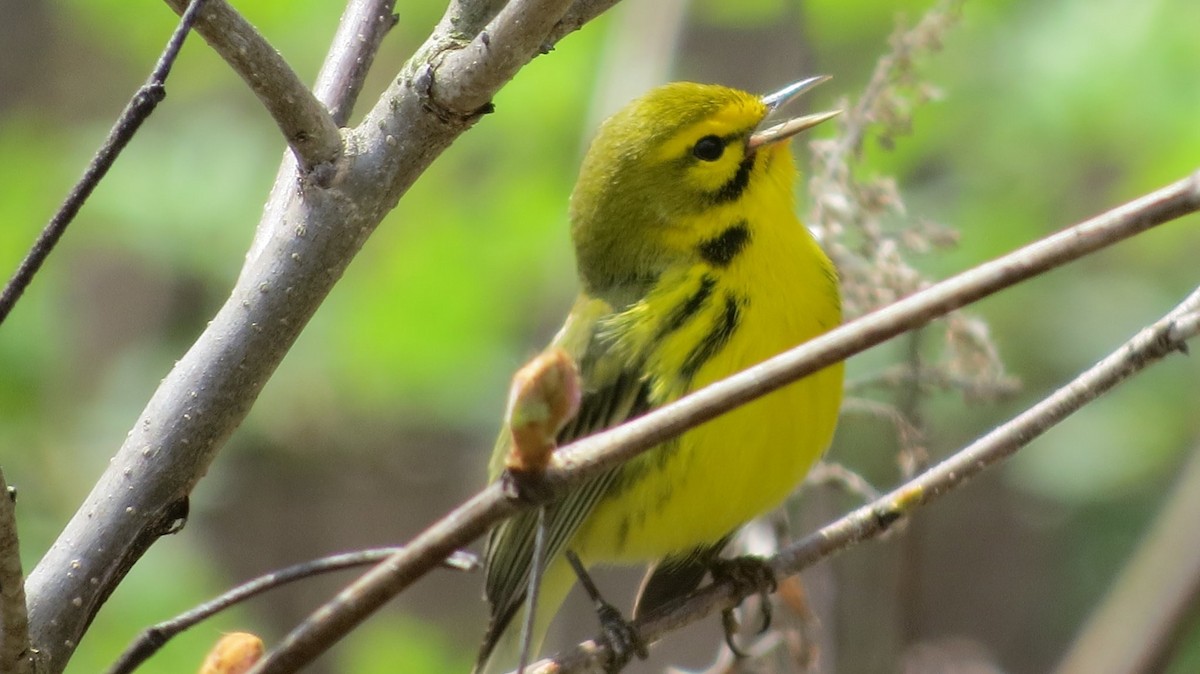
624	640
747	574
622	637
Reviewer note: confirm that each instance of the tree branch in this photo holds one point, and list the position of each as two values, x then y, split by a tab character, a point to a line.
15	654
594	454
360	32
306	124
1150	345
309	232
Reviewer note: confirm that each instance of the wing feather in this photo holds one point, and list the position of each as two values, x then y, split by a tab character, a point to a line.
613	392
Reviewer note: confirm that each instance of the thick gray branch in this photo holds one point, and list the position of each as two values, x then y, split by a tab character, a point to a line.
592	455
312	226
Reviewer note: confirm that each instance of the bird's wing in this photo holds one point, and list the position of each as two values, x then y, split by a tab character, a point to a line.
675	576
613	391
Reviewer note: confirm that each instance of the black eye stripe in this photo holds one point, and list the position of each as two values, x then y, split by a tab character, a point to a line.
709	148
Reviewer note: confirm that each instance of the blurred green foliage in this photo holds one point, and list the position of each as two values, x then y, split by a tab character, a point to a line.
374	649
1049	112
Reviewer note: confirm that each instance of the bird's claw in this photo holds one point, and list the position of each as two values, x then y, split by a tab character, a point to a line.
746	573
622	637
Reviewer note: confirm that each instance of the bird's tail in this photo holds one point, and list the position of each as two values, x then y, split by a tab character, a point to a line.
501	648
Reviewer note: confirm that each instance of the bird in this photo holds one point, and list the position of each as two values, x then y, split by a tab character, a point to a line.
692	266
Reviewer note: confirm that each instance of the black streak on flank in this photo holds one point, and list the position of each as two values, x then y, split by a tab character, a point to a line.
684	312
622	533
722	330
720	250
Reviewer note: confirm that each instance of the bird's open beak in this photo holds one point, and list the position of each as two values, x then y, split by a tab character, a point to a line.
773	133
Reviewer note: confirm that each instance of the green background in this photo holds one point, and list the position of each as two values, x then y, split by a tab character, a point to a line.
381	417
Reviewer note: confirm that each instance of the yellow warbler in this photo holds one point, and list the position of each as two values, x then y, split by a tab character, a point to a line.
693	266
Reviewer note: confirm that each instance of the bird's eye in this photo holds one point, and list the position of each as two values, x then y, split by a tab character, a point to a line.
709	148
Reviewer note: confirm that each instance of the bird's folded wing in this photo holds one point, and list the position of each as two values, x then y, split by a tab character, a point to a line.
613	391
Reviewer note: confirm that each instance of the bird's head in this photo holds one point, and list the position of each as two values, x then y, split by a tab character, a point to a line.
664	173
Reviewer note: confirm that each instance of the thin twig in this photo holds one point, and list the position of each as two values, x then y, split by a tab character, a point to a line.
148	96
155	637
305	123
1166	336
594	454
1149	608
15	654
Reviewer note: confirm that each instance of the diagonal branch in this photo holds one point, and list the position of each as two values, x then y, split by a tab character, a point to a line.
594	454
360	32
306	124
1166	336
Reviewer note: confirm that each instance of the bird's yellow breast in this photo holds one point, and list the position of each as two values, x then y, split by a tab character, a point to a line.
752	295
